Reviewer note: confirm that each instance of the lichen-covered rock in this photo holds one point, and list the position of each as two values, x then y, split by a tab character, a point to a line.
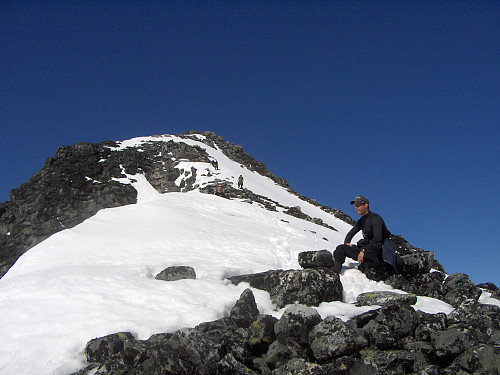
102	348
261	333
427	284
458	287
480	359
279	353
231	366
245	310
295	324
299	366
229	338
194	351
314	259
332	338
309	287
447	345
477	321
428	323
389	361
384	298
175	273
416	263
392	323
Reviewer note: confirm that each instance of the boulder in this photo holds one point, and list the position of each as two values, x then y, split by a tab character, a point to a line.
175	273
447	345
458	287
384	298
295	324
102	348
416	263
261	334
309	287
389	361
245	310
392	323
332	338
280	353
298	366
315	259
481	359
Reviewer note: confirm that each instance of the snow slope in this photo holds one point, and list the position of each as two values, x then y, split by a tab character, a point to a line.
98	277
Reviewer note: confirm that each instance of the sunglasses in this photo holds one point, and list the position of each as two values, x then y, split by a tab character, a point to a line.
357	204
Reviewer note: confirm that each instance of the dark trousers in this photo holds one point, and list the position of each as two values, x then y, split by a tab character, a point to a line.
372	258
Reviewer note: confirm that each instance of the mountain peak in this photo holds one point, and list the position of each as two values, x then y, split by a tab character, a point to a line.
84	178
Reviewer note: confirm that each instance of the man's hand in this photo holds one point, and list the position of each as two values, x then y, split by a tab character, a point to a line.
361	256
348	244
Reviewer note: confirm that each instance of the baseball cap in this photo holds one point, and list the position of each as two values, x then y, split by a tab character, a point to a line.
360	198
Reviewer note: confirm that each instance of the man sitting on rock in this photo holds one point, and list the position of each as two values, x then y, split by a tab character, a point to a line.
368	251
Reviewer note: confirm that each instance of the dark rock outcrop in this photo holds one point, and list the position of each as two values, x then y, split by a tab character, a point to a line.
315	259
393	339
309	287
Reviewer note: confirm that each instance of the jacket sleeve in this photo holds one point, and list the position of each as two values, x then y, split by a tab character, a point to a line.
355	229
378	230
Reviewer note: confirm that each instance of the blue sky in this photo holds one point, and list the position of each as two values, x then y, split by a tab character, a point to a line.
395	100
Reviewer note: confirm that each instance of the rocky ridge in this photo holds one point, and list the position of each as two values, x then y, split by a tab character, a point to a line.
392	338
84	178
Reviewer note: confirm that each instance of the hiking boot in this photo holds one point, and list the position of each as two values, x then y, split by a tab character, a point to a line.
373	274
337	266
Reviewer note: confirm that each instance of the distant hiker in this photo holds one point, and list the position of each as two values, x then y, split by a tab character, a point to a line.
368	251
240	182
215	164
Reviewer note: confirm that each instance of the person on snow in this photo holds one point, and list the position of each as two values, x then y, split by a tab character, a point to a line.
240	182
368	251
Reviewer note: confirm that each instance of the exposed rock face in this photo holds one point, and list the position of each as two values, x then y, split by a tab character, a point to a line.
393	339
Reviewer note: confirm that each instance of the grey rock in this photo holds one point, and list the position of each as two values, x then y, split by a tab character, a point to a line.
101	348
481	359
458	287
309	287
332	338
314	259
245	310
389	361
428	323
261	334
384	298
279	353
298	366
448	344
295	324
392	323
231	366
175	273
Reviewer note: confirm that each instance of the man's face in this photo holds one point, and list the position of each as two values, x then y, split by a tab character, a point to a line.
361	208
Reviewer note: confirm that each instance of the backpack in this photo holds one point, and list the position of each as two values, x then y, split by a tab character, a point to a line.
390	256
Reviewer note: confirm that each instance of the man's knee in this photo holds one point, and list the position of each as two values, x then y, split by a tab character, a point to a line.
343	251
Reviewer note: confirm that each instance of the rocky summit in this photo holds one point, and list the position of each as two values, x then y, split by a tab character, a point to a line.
390	338
83	178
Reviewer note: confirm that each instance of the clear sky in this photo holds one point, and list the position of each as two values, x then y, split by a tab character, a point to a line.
395	100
